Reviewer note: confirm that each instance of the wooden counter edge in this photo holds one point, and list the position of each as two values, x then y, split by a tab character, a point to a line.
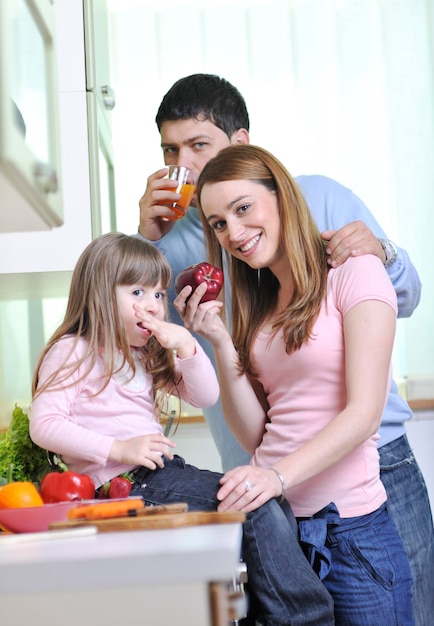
423	404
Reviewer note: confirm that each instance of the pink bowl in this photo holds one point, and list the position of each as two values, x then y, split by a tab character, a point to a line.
36	518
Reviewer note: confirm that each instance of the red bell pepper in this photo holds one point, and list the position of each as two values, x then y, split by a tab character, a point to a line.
66	486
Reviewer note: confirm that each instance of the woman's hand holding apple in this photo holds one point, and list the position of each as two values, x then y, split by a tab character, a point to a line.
201	317
195	275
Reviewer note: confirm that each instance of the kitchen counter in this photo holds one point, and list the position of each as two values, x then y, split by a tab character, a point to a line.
152	577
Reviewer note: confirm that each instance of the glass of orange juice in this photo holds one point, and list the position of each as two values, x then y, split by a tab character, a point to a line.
185	188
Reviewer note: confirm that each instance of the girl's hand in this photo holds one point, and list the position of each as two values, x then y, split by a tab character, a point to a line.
170	336
201	318
147	450
246	488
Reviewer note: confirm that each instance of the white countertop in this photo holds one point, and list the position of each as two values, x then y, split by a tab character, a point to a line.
191	554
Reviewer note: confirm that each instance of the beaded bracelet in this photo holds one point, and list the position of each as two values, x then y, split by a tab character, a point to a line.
283	483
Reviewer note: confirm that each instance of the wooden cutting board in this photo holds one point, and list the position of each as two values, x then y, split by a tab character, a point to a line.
156	521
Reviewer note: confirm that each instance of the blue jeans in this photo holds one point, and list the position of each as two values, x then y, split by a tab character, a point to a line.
409	507
286	588
363	564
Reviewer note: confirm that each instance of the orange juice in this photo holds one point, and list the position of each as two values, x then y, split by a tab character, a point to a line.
180	207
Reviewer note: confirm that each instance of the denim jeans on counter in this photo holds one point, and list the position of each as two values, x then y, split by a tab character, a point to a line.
286	588
409	507
363	564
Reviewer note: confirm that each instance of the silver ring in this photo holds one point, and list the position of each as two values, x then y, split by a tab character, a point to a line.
249	487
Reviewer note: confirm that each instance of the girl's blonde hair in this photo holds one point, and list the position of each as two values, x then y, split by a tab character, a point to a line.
92	313
255	292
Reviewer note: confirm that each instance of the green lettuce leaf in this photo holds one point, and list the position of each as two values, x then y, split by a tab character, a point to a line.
20	458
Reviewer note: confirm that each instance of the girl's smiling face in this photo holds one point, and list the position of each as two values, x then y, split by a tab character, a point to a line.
245	218
151	299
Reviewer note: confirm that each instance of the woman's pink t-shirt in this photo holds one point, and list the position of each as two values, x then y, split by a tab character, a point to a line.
306	390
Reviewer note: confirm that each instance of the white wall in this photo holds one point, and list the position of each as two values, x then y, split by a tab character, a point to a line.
195	444
420	432
342	88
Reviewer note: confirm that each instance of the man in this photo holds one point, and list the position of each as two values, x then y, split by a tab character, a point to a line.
200	115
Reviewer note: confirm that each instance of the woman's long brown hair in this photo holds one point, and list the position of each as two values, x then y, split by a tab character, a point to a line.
92	313
255	292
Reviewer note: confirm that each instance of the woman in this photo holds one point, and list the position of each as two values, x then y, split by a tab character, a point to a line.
304	379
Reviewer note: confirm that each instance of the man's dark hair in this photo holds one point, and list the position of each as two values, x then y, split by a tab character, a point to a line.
205	97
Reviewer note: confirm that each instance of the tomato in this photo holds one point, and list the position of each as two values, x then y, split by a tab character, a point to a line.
18	495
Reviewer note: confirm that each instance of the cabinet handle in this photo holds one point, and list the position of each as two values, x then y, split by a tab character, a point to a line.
108	97
46	177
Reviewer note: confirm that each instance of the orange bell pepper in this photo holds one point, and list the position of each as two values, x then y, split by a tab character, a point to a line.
19	494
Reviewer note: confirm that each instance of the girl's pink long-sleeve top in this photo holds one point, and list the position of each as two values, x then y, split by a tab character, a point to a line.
81	424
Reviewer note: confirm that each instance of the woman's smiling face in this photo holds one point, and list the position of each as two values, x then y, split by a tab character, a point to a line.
244	216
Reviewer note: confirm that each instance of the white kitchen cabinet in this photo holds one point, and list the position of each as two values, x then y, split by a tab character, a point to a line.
39	264
153	577
30	187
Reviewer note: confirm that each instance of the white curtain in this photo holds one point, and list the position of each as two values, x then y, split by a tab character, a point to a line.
342	88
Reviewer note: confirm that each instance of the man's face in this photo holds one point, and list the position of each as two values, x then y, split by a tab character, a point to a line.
193	143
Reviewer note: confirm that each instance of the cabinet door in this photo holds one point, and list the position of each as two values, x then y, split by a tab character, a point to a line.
97	45
101	101
101	163
32	263
39	264
29	147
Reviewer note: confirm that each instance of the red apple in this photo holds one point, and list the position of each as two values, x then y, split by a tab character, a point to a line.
195	275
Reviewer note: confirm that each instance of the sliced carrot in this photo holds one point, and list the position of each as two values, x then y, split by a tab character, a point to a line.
103	510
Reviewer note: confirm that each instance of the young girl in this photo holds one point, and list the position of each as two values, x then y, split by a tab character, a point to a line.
305	379
95	402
